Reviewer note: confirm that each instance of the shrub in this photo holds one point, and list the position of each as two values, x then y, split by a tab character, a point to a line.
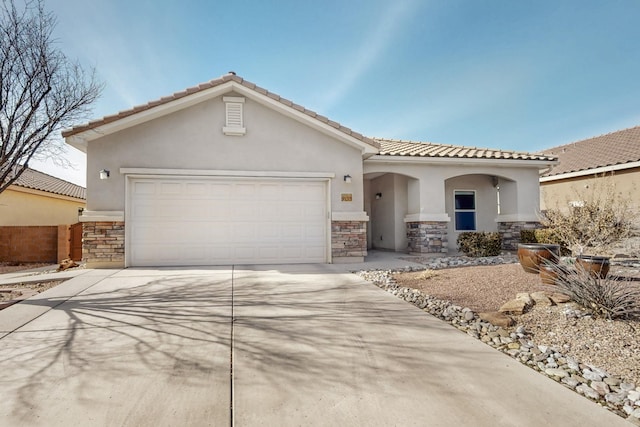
610	297
528	236
479	244
592	219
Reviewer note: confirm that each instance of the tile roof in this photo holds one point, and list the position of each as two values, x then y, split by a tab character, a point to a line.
36	180
231	76
393	147
615	148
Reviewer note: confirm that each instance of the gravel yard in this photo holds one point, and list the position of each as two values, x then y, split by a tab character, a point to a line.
6	267
22	290
611	345
11	292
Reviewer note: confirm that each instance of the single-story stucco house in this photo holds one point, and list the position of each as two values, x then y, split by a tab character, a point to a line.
613	157
37	213
229	173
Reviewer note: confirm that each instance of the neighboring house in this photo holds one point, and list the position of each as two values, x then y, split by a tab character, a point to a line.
35	214
229	173
614	157
36	198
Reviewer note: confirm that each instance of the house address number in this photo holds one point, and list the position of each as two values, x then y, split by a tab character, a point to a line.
347	197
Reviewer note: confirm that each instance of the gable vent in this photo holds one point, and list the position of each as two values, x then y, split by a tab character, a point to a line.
234	124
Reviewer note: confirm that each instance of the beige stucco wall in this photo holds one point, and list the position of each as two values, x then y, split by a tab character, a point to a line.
386	215
486	202
519	186
192	138
30	207
424	192
554	194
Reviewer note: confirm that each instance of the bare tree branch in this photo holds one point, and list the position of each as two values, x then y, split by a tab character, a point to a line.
41	90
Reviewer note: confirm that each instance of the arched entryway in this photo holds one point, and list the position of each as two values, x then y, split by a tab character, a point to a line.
389	198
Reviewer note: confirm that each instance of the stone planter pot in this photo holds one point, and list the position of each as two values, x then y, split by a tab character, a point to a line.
598	266
532	254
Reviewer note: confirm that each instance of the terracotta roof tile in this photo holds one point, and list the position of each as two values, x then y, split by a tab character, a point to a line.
37	180
394	147
615	148
207	85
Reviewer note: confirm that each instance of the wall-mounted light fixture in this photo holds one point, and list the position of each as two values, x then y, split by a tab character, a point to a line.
104	174
347	179
378	196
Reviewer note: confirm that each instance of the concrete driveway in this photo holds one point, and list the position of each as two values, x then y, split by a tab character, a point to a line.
272	346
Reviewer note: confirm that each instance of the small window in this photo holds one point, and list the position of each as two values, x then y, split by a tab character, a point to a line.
234	122
465	210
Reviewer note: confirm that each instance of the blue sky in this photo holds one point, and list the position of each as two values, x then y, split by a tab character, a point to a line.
519	75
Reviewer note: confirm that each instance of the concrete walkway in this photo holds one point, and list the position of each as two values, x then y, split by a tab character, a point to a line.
245	346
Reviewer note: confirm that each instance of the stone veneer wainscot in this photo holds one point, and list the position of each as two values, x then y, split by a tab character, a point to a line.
510	232
348	241
427	237
103	244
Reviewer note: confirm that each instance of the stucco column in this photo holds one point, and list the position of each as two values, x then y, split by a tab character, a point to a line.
427	221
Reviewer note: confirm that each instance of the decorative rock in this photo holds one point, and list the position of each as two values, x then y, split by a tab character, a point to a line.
634	395
497	319
612	381
627	386
468	316
591	376
555	372
541	299
523	296
570	382
503	333
588	391
515	306
601	387
573	364
559	298
615	398
579	378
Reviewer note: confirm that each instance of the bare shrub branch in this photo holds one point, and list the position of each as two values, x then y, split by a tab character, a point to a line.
41	90
592	219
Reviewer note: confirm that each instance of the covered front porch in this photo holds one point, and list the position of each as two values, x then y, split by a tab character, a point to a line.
421	208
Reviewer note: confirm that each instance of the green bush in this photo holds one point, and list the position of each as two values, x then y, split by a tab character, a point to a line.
479	244
528	236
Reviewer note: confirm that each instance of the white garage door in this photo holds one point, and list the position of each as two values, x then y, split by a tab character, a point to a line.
221	221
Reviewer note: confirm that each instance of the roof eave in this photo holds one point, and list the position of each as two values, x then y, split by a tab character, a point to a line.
592	171
35	191
540	164
79	139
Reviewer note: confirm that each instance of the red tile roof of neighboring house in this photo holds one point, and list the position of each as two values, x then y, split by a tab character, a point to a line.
208	85
36	180
392	147
615	148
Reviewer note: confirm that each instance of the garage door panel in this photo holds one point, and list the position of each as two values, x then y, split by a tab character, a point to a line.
211	221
